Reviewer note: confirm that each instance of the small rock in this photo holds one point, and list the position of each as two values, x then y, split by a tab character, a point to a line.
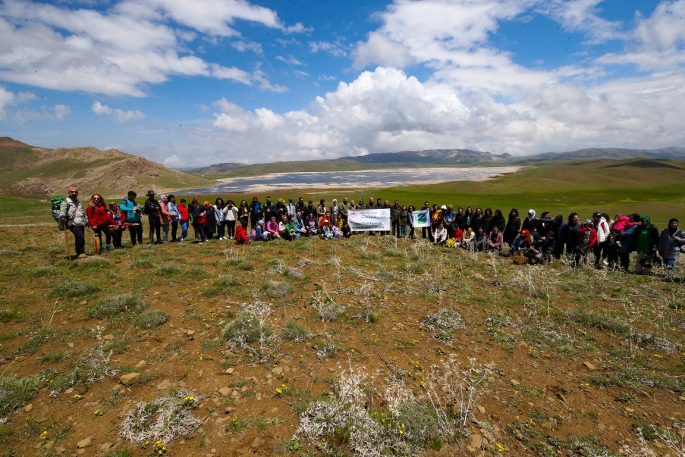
164	385
259	441
481	409
514	382
60	450
523	345
681	398
129	378
70	345
476	441
277	370
49	445
589	366
106	447
213	451
69	391
190	332
86	442
258	397
225	391
230	371
235	393
601	426
141	364
108	337
519	436
630	410
28	407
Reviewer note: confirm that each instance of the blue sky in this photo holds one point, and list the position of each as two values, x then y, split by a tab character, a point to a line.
189	83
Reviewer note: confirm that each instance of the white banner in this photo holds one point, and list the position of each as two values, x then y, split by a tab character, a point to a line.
421	218
364	220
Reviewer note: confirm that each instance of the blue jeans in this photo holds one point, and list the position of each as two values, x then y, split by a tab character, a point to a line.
184	229
670	264
403	230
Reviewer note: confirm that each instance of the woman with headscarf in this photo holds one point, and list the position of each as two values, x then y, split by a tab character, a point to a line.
99	219
670	243
530	223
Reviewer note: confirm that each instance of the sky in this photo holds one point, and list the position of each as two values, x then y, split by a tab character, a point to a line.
189	83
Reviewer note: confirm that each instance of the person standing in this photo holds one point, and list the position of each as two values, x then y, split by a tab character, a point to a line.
117	219
647	240
231	216
175	219
670	243
255	212
164	217
152	210
73	217
99	220
184	215
344	209
601	225
133	212
426	230
395	213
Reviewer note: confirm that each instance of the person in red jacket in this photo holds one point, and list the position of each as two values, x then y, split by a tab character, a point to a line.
587	238
185	219
98	218
241	234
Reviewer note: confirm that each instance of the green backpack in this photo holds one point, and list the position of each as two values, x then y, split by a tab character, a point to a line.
56	203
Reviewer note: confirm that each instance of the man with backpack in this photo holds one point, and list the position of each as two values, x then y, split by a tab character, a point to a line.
72	216
152	209
133	212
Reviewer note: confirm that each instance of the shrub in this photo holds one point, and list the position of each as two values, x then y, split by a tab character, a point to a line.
246	328
74	289
15	392
151	318
293	331
113	305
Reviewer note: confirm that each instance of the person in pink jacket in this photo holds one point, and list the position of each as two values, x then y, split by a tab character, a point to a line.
272	228
165	217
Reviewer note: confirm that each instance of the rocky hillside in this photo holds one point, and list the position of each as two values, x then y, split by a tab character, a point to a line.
38	171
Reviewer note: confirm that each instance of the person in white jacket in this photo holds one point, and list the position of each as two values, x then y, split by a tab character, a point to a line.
440	235
230	217
601	226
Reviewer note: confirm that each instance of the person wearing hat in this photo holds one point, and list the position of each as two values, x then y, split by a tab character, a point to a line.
133	212
601	226
152	210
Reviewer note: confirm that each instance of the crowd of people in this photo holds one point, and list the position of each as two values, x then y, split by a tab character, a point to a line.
532	239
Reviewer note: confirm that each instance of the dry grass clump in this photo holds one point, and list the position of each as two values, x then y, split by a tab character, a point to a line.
163	419
115	304
328	309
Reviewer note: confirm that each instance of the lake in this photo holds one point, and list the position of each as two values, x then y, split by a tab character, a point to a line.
351	179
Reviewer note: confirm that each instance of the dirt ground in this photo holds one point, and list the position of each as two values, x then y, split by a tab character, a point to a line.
578	359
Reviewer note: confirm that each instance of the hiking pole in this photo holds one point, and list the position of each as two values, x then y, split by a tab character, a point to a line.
66	238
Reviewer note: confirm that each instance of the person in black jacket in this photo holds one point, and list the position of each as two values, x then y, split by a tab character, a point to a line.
513	226
646	239
152	209
569	233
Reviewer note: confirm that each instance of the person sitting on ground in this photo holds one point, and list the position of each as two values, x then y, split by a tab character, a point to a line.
300	225
495	239
326	232
458	236
479	239
530	250
293	234
523	236
549	246
311	225
468	238
272	228
336	232
346	229
440	235
241	234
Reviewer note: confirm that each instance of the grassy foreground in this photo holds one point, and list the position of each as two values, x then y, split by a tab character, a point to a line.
367	346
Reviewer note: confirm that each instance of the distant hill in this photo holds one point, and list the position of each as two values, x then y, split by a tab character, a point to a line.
429	156
672	153
37	171
215	169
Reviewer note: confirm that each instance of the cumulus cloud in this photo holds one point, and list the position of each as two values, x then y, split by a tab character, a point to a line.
122	49
582	16
120	115
385	110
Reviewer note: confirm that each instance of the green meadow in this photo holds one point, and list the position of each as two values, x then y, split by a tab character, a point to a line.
644	186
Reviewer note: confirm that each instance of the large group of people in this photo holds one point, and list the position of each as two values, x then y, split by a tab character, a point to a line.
602	240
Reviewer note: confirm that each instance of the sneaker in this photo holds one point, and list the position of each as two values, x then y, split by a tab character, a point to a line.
82	256
605	262
180	240
108	248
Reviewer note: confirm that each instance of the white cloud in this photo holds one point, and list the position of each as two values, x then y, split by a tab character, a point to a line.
6	98
121	50
118	114
244	46
582	15
290	60
57	113
173	161
386	110
335	49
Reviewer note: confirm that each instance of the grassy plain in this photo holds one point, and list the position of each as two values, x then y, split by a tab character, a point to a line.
346	347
